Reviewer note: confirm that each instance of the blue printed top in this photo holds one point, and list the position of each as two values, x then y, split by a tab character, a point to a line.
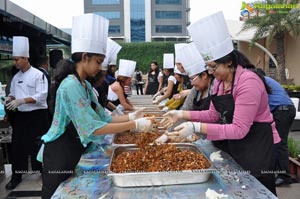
73	103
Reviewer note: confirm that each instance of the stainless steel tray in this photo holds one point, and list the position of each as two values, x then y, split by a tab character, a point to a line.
159	178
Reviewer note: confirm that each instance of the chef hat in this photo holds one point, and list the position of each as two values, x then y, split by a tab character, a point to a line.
168	61
89	34
20	46
126	67
211	37
192	61
176	70
177	54
112	50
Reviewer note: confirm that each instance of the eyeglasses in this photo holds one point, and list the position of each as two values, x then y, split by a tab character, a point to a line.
194	79
212	69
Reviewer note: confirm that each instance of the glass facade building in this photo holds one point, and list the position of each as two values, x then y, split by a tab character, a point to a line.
143	20
137	20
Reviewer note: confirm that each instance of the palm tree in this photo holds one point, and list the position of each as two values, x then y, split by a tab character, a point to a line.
275	23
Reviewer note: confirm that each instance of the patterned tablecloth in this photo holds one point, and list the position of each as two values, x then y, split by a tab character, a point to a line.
91	182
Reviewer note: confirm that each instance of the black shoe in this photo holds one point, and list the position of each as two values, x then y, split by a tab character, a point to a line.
13	183
280	181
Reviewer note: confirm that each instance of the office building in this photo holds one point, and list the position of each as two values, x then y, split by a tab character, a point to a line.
143	20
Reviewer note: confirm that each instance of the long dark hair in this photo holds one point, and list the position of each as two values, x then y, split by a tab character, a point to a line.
64	68
109	70
156	69
238	58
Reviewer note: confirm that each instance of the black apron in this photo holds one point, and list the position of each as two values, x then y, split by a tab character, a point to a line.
255	151
60	158
201	104
152	84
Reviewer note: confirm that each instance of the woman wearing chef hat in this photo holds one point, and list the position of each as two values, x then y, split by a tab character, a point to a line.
175	103
171	88
200	78
239	116
116	91
78	118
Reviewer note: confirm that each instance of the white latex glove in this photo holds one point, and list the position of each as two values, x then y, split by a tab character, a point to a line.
143	125
165	108
154	96
186	129
174	115
137	114
5	100
15	103
155	102
119	112
162	139
216	156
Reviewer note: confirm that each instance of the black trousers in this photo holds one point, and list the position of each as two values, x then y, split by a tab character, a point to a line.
283	117
27	131
139	87
60	158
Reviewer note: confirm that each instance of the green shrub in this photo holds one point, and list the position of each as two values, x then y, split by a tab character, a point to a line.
144	53
294	148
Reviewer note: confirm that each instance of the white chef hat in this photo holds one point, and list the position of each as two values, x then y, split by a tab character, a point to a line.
211	36
192	61
20	46
177	54
176	70
112	50
126	67
168	61
89	34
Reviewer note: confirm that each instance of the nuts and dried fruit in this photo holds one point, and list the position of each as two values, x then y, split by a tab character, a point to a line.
153	158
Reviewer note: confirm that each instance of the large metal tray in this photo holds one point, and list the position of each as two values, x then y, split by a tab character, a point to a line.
139	179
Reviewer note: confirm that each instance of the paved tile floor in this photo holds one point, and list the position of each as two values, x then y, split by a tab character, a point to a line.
33	182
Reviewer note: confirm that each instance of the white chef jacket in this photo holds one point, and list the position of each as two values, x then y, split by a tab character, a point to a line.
32	83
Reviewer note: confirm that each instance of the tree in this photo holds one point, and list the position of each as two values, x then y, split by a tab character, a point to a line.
275	19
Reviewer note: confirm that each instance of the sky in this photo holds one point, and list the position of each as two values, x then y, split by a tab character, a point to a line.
59	12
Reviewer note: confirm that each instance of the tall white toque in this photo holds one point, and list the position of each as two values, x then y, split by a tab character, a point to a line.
112	50
176	70
177	54
126	67
20	46
211	37
168	61
89	34
192	61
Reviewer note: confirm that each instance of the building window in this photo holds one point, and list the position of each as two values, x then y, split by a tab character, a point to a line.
114	29
168	29
109	15
137	20
168	15
178	2
105	2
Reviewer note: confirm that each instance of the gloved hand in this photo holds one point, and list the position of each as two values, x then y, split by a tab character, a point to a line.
186	129
154	96
5	100
119	112
165	109
15	103
155	101
143	125
174	115
135	115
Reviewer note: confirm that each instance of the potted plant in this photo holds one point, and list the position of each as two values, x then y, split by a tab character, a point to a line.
294	157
